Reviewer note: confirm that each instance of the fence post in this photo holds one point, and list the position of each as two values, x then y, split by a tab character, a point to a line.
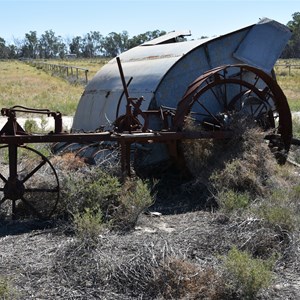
62	69
86	76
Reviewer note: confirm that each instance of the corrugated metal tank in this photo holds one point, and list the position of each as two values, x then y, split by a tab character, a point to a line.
163	68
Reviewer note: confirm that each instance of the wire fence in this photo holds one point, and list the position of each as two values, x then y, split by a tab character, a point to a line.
289	69
73	73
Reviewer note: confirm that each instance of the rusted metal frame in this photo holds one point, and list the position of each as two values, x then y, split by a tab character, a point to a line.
214	93
225	90
229	80
251	88
95	137
135	103
14	188
12	127
169	138
186	103
285	123
128	115
3	178
120	99
125	158
285	120
254	85
262	105
125	90
197	82
209	113
267	96
30	174
161	137
124	139
52	138
13	172
53	190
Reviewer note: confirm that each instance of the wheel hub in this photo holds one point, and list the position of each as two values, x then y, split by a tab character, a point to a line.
14	189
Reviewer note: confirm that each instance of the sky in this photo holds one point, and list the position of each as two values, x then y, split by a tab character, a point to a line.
70	18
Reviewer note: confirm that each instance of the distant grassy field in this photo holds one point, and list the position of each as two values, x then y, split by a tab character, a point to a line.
289	81
21	84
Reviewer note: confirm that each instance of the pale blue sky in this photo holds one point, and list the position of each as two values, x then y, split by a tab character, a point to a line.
69	18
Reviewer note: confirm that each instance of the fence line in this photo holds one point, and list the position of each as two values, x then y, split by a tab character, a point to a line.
288	66
64	70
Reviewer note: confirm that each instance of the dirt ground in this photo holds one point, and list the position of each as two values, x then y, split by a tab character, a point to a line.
44	261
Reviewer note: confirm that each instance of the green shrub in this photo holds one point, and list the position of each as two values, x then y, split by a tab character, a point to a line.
246	276
88	224
276	215
280	209
31	126
90	188
229	200
95	197
134	199
6	291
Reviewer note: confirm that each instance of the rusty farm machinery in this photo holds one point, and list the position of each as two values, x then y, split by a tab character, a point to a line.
146	114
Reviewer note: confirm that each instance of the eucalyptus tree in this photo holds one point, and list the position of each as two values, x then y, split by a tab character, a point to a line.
115	43
76	46
292	50
3	49
30	46
144	37
92	44
51	46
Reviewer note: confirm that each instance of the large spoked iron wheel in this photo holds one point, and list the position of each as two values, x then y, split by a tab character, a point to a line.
214	99
29	185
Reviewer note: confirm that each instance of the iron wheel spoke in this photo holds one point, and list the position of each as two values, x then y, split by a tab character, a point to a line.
3	200
209	113
41	190
3	178
34	171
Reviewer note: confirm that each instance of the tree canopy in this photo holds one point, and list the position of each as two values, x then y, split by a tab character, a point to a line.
292	49
92	44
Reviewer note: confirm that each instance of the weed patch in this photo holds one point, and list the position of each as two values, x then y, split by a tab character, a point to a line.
247	276
95	198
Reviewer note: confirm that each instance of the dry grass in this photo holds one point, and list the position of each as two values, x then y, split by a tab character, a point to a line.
149	263
21	84
179	279
289	83
243	163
